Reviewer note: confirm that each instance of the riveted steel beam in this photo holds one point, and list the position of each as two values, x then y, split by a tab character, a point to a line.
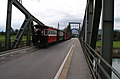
8	26
21	32
95	23
86	21
26	24
107	33
28	41
89	18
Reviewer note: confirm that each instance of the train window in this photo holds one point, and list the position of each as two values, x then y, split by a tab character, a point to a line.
48	31
45	32
60	33
52	32
55	32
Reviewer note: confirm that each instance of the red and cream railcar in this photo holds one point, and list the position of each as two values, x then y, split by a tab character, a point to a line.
52	35
44	35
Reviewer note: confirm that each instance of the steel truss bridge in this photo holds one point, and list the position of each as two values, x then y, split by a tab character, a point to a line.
100	64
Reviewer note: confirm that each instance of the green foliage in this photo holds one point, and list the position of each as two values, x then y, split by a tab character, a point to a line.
98	43
2	38
2	33
116	44
116	35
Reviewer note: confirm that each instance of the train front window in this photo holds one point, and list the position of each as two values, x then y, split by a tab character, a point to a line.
45	32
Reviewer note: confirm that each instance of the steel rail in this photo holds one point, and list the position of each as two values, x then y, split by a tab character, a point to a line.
117	74
89	49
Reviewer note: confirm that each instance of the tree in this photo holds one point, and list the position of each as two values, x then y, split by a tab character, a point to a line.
15	32
2	33
116	35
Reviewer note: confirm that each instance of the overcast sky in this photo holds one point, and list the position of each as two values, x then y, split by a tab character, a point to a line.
50	12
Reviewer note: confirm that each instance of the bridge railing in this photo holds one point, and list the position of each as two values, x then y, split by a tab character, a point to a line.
94	60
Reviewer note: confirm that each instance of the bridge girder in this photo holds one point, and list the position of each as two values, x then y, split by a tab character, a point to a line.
91	25
29	18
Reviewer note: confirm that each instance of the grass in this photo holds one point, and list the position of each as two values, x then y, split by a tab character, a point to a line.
116	44
98	43
2	39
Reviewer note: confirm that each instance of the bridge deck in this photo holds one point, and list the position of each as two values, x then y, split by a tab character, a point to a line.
45	63
78	68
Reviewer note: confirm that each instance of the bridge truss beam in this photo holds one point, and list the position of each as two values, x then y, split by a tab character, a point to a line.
89	30
89	20
27	24
107	33
8	26
95	23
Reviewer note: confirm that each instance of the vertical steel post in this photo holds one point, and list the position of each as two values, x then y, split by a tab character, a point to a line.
79	28
86	23
95	22
90	17
58	25
28	34
8	26
107	33
82	33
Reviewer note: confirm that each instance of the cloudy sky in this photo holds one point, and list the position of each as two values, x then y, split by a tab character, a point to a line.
50	12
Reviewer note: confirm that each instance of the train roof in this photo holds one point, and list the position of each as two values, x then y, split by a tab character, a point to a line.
44	26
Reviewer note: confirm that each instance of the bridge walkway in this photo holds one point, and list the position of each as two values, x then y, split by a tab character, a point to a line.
78	68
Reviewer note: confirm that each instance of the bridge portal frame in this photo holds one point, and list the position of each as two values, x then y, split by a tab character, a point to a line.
75	23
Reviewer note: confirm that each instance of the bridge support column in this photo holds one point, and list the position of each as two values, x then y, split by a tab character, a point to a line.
8	26
29	33
90	17
79	29
107	33
88	20
24	26
86	24
95	23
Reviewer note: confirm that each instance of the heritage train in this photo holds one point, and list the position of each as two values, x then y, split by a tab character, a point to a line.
44	36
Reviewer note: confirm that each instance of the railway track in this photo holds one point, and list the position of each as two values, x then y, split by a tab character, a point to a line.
15	53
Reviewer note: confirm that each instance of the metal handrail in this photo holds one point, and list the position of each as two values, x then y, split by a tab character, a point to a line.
96	56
